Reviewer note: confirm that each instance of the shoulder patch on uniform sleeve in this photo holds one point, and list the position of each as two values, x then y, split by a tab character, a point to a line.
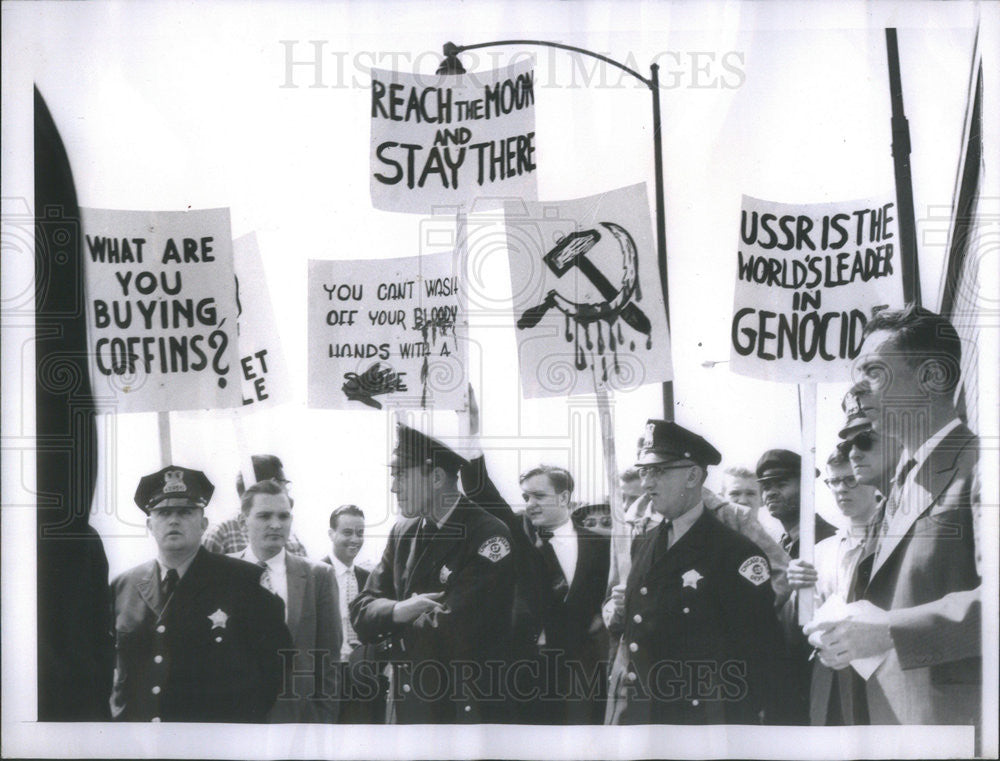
495	548
755	570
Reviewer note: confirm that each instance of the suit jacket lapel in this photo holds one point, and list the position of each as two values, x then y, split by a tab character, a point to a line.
295	574
920	494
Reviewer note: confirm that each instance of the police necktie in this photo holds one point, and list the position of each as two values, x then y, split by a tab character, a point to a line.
170	583
265	578
350	592
662	540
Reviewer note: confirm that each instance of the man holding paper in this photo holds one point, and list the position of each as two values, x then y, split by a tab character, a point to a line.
836	559
921	607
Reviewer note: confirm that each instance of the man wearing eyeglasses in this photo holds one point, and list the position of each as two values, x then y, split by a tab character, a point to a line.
699	623
837	557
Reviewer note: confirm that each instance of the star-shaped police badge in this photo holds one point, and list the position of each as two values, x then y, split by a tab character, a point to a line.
219	619
691	578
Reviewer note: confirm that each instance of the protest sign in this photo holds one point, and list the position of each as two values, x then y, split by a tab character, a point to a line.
446	139
587	295
383	333
263	372
809	277
161	309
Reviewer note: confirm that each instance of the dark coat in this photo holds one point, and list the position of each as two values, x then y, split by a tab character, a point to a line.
440	674
574	630
700	628
210	670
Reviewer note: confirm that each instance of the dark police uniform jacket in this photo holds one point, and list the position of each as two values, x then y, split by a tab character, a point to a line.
700	628
440	673
209	653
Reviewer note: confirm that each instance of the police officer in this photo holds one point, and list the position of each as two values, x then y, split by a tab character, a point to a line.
440	600
698	614
197	636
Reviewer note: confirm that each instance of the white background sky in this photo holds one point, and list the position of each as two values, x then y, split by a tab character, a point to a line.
170	106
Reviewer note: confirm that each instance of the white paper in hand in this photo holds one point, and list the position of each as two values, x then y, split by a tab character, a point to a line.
835	608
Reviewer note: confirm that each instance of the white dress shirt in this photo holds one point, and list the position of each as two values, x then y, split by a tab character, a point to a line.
564	544
276	570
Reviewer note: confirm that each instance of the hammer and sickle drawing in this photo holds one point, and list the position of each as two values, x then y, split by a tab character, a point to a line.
571	252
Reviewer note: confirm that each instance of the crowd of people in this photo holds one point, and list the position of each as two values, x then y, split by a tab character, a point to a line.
480	614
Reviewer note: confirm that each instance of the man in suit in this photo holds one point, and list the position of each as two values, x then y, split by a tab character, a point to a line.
438	604
197	638
230	536
697	618
312	610
921	610
363	697
569	567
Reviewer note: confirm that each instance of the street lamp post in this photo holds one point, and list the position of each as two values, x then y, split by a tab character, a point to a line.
452	65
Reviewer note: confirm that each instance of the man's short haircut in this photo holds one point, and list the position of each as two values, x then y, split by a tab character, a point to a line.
345	510
922	335
740	471
630	474
270	486
560	478
838	457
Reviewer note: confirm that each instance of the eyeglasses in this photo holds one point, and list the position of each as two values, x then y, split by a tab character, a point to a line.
864	441
655	471
849	482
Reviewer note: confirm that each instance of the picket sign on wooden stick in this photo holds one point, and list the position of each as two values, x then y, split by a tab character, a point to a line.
163	425
619	536
807	492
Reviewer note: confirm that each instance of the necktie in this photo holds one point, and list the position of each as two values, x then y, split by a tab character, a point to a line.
265	578
897	487
662	540
786	542
553	571
170	583
425	533
350	592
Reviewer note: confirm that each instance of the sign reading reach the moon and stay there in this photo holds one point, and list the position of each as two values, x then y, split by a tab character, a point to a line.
443	140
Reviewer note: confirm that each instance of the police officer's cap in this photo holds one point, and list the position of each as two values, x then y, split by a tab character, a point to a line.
857	411
265	466
414	448
174	486
665	442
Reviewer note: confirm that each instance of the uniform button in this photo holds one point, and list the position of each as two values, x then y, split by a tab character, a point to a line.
218	639
406	688
156	690
643	590
637	618
631	676
155	719
687	610
161	628
694	702
468	708
633	647
158	659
